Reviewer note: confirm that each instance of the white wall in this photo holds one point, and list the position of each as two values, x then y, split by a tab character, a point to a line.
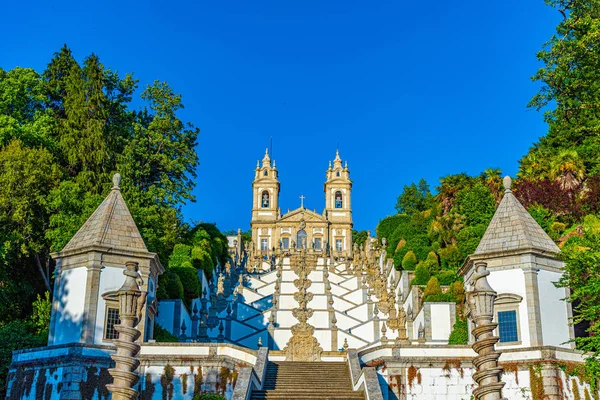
513	281
441	326
69	306
555	321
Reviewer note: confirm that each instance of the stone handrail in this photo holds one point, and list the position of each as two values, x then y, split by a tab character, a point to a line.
363	377
251	378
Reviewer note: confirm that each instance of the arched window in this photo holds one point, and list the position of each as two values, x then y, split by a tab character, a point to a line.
337	173
266	173
265	199
338	199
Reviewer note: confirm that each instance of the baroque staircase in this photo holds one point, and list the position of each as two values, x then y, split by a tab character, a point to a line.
294	380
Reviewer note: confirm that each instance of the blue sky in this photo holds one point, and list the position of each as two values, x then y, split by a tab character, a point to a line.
407	89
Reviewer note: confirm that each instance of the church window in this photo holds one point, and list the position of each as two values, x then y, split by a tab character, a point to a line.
266	173
286	243
338	245
318	243
265	199
337	173
507	326
338	199
264	244
112	319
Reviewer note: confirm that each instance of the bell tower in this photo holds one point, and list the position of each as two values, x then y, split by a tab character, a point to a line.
265	203
338	205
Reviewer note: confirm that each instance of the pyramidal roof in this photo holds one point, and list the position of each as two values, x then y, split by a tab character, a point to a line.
513	228
111	225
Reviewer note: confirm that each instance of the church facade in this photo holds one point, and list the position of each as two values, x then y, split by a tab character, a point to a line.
332	229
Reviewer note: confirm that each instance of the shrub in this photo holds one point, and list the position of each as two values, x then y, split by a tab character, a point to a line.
409	261
440	298
447	278
457	289
192	288
433	288
460	332
169	286
161	335
209	396
422	275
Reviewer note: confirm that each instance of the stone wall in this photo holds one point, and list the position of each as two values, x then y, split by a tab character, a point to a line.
67	372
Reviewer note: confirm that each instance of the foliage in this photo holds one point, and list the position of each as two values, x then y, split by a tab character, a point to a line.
16	335
414	198
476	204
388	225
460	332
409	261
359	237
63	133
447	278
433	288
209	396
170	286
440	298
192	287
581	275
161	335
40	318
422	275
569	95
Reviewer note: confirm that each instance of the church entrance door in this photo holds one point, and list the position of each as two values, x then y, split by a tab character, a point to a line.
302	238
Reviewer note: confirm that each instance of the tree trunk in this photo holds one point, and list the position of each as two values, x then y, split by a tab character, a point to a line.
44	276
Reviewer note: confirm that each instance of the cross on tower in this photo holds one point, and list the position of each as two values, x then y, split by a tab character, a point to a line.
302	201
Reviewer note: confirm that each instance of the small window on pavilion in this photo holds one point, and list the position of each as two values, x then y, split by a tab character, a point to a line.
265	199
507	326
338	199
112	319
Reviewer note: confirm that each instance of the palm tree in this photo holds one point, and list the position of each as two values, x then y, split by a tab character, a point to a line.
568	169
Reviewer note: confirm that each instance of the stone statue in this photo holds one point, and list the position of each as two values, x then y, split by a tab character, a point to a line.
221	284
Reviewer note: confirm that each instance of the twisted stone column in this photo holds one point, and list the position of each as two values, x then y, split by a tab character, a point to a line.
131	303
481	306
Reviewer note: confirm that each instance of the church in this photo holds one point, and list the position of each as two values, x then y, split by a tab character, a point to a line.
332	229
302	313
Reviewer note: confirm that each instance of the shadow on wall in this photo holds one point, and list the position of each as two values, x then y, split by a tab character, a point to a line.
68	307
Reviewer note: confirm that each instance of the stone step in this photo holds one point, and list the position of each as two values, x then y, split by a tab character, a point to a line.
307	394
291	380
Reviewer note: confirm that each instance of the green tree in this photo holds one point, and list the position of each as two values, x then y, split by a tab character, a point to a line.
582	276
359	237
23	115
569	93
476	204
414	198
28	176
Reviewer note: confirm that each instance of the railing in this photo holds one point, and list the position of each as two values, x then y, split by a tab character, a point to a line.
365	378
251	378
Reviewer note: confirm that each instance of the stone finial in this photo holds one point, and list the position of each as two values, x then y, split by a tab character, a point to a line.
345	346
507	181
116	181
